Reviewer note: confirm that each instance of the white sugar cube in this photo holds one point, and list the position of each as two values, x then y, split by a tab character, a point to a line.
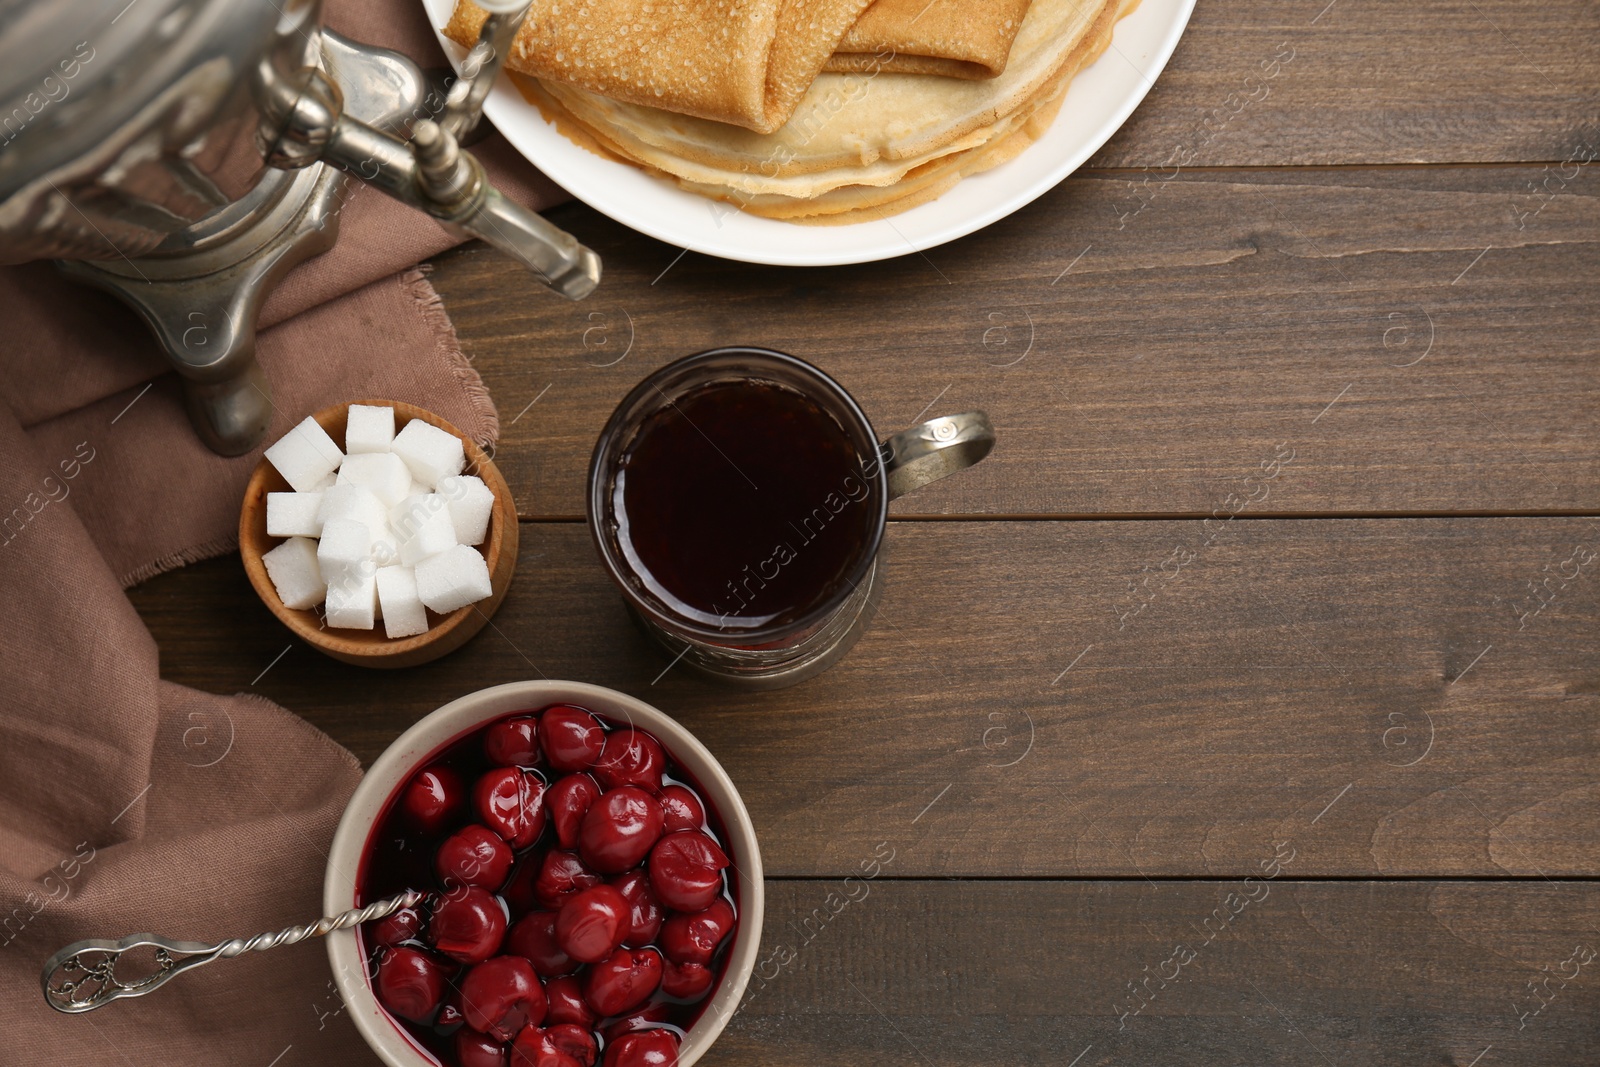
403	614
430	452
292	566
453	579
344	553
471	502
423	525
386	547
406	516
354	502
324	483
306	454
353	602
368	429
384	473
293	515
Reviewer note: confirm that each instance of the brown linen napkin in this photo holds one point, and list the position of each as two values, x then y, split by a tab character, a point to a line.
130	804
955	38
127	803
747	62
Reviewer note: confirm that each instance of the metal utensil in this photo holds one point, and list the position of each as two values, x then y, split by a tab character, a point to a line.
83	976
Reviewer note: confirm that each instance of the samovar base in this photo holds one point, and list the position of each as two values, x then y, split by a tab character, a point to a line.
203	303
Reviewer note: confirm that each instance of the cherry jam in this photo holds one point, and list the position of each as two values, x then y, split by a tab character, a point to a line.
581	900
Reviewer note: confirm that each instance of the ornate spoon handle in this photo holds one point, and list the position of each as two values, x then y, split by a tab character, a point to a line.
83	976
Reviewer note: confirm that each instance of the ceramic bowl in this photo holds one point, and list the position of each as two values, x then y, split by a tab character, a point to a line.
435	732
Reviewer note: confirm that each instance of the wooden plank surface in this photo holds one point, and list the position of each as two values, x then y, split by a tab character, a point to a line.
1333	429
1286	972
1273	83
1395	327
1082	699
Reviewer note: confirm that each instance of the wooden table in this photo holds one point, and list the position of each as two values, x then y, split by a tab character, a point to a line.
1243	707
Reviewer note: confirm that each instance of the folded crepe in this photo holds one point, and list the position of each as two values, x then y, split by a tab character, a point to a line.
955	38
858	146
746	62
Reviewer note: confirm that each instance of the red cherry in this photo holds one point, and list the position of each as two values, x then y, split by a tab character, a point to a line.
694	937
567	1004
618	831
501	996
450	1018
652	1048
473	856
649	1017
686	981
591	924
572	738
534	939
631	757
622	981
561	874
475	1050
518	892
686	870
513	742
563	1045
402	925
644	910
510	801
433	799
410	984
468	925
568	801
681	809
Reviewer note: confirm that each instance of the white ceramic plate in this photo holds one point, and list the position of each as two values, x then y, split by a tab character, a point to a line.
1098	102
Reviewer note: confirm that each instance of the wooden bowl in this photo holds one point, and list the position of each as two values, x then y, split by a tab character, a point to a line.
370	648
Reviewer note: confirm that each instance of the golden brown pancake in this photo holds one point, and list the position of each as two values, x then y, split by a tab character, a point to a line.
953	38
746	62
849	120
859	146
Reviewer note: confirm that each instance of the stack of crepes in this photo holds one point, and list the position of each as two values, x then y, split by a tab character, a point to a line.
822	111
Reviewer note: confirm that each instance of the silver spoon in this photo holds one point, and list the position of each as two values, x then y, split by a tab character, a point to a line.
83	976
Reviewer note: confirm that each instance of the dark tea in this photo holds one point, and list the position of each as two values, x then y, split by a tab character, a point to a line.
743	504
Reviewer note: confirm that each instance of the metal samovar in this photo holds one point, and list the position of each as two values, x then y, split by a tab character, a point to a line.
184	154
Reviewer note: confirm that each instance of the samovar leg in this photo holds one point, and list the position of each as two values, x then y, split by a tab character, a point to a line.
206	322
203	304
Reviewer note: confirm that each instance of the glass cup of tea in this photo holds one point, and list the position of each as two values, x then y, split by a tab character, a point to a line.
739	496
